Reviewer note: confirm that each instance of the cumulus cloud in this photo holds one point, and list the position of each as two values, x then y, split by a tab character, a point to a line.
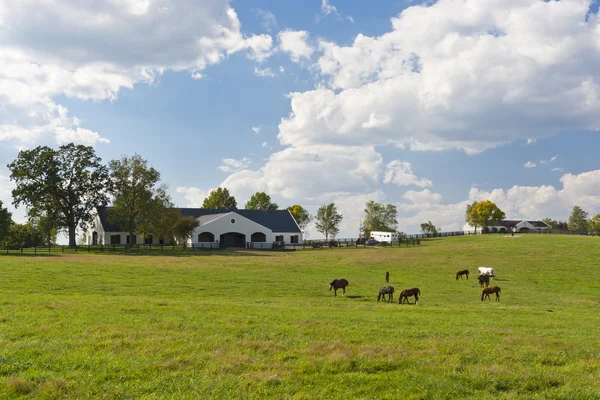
296	44
193	196
400	173
256	129
232	165
268	20
466	75
329	9
92	51
264	72
529	164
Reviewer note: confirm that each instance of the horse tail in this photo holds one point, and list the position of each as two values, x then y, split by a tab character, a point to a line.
419	291
499	290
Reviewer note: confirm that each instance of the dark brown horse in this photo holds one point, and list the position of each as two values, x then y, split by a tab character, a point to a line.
389	290
489	290
460	274
338	284
387	277
483	279
405	294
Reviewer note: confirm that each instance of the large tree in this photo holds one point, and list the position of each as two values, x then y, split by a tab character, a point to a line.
184	228
578	221
469	216
594	225
68	182
301	216
485	213
139	200
328	220
428	227
260	201
24	235
379	217
5	222
45	223
220	198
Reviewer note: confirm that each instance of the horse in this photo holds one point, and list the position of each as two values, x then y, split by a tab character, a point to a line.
489	290
487	271
338	284
483	279
389	290
405	294
387	277
460	274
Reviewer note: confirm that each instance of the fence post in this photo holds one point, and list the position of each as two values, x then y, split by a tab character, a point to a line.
21	249
49	248
34	249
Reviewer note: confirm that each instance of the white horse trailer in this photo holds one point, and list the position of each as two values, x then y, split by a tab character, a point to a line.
390	237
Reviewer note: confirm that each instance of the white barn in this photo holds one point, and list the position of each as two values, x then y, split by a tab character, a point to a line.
218	228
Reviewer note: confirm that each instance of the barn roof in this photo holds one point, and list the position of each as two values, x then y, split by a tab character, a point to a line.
275	220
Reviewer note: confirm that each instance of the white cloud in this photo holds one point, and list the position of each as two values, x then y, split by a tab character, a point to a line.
557	169
264	73
268	20
265	144
400	173
296	44
232	165
256	129
423	197
529	164
467	75
91	50
193	196
549	161
328	9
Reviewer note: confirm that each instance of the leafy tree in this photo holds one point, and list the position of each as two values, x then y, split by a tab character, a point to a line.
24	235
220	198
594	225
485	213
551	223
184	228
428	228
45	223
138	199
562	225
578	221
379	217
260	201
328	220
301	216
469	216
5	222
68	182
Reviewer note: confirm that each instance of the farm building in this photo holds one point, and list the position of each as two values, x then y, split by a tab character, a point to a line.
518	226
390	237
218	228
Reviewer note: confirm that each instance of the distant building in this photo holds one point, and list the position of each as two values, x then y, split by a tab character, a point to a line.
385	236
218	227
518	226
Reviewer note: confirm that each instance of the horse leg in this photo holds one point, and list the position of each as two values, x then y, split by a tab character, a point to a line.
416	299
498	297
335	292
344	288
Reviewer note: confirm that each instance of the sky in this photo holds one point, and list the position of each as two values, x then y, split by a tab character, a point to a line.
425	105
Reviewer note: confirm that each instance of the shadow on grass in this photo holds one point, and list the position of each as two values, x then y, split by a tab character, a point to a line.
355	297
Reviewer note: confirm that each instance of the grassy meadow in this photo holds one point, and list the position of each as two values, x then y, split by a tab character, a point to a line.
264	324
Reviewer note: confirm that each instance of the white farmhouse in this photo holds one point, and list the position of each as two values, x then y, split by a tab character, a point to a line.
218	228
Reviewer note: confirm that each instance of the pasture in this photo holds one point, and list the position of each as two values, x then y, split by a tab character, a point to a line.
264	324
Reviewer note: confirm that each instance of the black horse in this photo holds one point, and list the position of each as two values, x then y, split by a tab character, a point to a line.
338	284
483	279
405	294
386	290
460	274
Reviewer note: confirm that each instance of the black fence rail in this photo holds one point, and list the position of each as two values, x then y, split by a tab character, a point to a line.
107	248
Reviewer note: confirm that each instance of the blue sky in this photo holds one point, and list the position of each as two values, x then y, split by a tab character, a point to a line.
428	107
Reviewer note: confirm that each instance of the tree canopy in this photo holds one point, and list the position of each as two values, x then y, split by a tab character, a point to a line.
5	222
184	228
68	182
578	221
139	201
328	220
551	223
301	216
484	213
220	198
428	228
379	217
594	225
260	201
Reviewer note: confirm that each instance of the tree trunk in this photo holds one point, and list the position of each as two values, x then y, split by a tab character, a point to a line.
72	235
131	241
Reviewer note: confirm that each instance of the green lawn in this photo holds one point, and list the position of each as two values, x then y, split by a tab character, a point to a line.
264	324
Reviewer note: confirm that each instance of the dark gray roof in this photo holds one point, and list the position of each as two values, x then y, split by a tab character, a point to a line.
511	223
275	220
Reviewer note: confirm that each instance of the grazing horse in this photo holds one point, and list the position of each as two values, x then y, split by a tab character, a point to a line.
338	284
489	290
387	277
460	274
483	279
487	271
405	294
389	290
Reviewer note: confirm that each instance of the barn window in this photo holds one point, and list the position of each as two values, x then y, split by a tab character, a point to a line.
279	238
294	239
115	239
206	237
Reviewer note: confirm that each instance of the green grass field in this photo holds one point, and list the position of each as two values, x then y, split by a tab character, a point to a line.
264	324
